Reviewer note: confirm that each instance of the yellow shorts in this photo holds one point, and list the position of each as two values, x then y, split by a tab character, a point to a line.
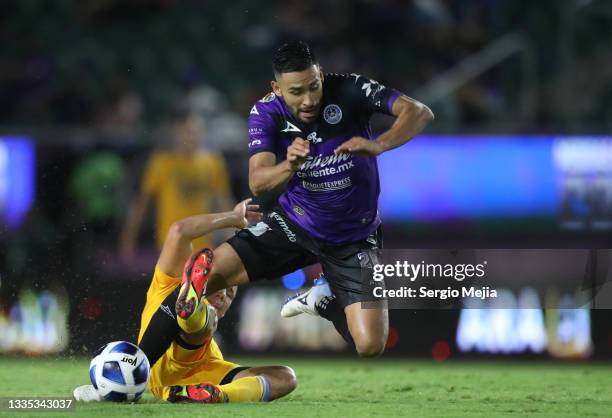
169	371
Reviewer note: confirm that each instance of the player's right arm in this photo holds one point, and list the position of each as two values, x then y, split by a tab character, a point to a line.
177	246
265	175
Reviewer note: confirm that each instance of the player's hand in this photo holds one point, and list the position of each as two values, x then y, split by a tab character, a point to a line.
298	153
247	213
358	145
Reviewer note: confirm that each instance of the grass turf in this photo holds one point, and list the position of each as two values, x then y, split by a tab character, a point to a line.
356	388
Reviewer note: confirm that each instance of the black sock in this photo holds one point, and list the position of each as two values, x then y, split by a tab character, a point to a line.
330	309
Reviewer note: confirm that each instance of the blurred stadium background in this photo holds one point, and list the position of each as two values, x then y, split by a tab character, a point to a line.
519	156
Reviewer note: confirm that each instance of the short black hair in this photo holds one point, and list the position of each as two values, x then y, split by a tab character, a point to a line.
293	56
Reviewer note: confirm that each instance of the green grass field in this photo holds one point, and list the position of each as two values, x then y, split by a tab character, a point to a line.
354	388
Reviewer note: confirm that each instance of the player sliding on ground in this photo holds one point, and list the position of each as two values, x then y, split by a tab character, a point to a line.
178	323
310	139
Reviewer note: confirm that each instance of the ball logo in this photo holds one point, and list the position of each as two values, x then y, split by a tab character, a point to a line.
332	114
129	360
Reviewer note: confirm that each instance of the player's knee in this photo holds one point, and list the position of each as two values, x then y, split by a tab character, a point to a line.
227	270
371	348
217	279
288	379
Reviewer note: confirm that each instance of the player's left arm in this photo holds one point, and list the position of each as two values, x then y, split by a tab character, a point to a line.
177	246
411	117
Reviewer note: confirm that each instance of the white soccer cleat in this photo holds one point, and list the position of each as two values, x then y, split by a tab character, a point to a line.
86	393
318	296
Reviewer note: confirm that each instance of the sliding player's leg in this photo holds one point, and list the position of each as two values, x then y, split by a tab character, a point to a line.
190	306
281	379
227	382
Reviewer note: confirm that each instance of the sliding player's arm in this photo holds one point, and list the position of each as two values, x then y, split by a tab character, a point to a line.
177	246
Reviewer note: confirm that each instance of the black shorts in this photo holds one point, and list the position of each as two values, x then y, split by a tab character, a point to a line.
163	330
275	247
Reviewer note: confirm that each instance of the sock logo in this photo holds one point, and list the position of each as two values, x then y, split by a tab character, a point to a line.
325	300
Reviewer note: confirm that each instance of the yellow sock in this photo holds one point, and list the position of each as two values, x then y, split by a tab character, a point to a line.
247	389
188	354
197	320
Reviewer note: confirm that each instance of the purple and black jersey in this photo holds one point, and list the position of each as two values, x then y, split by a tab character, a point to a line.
332	197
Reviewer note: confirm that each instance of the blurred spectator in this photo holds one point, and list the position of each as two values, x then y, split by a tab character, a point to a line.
181	181
65	71
123	114
94	184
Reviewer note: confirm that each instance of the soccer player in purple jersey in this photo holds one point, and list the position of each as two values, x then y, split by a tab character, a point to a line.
311	139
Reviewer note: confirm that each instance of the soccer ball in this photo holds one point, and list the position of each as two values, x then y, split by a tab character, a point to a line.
119	371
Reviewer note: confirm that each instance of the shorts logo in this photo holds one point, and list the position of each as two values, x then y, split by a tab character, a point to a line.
298	210
281	222
259	228
268	98
167	310
332	114
365	260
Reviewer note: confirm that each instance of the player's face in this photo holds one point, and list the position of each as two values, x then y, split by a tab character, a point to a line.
221	301
302	91
188	133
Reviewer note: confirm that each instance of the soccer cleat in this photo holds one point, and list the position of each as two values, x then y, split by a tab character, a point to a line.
311	301
86	393
191	299
202	393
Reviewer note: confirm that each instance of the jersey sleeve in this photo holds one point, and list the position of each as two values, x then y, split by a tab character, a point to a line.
374	96
261	130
